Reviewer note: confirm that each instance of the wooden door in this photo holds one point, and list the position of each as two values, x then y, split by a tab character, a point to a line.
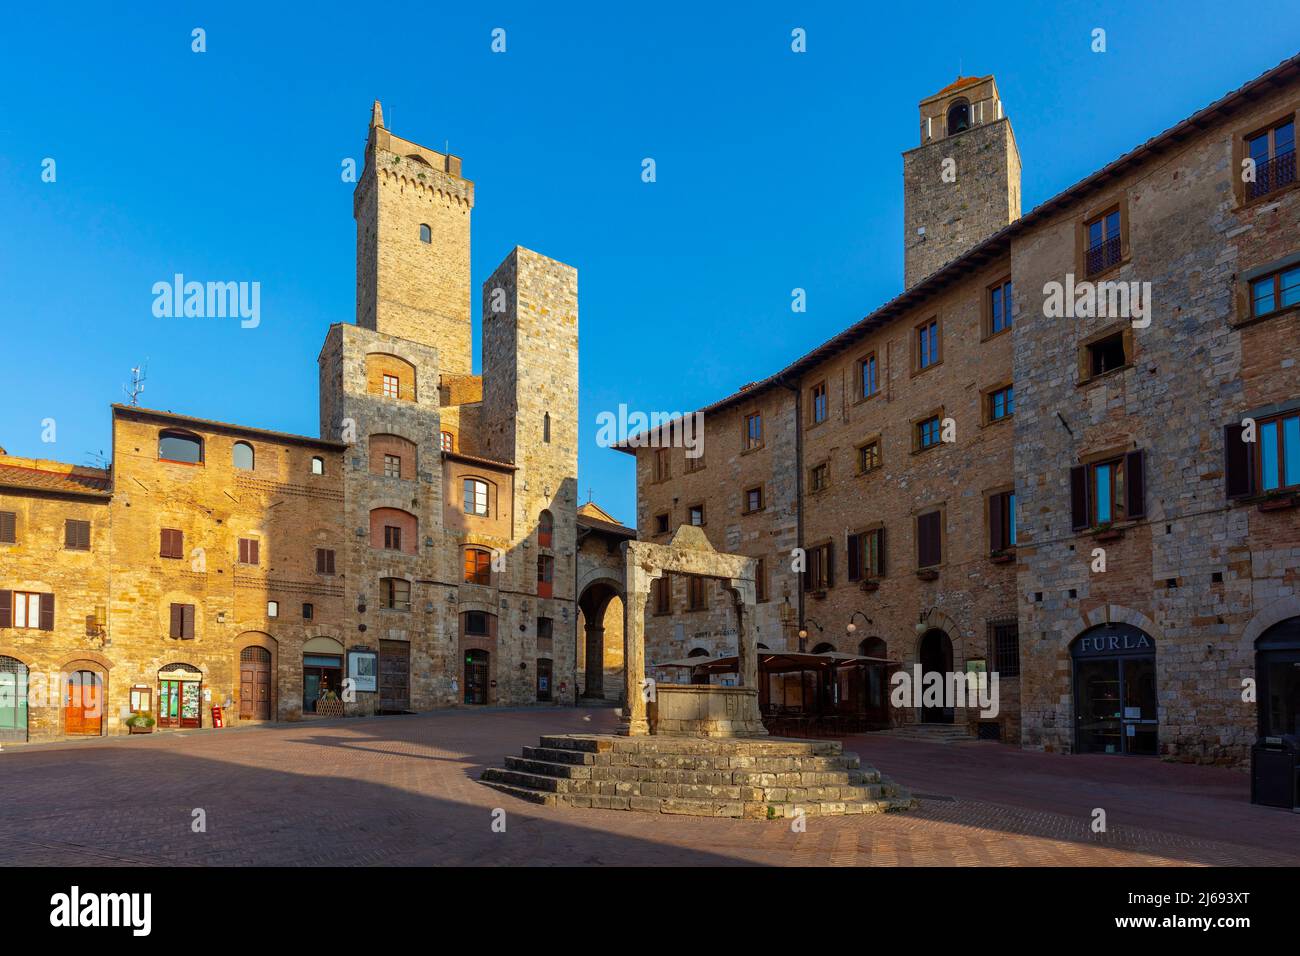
394	676
476	677
83	704
255	684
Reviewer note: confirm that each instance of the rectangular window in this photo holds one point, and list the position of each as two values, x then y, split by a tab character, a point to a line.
694	464
868	378
172	543
324	561
1103	249
661	524
819	478
27	610
308	612
1004	642
661	593
392	466
754	499
927	344
760	581
248	550
1273	153
545	575
395	594
929	539
392	537
476	623
928	432
867	555
753	430
695	594
478	567
272	608
76	535
820	574
869	456
662	465
476	497
1108	490
820	405
999	308
8	527
696	513
1002	403
182	621
545	629
392	387
1278	290
1002	521
1106	354
1279	453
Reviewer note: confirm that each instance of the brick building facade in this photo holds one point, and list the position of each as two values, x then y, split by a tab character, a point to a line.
955	465
426	546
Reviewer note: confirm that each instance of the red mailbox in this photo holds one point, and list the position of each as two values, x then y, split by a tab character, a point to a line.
217	720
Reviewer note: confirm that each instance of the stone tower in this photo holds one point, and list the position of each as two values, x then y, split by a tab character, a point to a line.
951	206
412	209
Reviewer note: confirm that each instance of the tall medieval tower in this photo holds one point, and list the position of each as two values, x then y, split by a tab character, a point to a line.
962	184
459	489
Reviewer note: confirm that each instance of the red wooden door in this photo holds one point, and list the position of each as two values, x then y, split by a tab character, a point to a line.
83	704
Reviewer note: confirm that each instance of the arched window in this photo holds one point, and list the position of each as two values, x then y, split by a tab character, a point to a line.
698	652
873	647
478	567
958	117
317	465
426	234
176	445
545	528
393	530
823	648
476	497
546	427
447	440
395	594
242	456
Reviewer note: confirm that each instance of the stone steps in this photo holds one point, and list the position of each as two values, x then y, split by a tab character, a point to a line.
761	779
930	733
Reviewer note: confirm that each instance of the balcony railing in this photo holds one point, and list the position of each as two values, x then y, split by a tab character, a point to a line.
1102	256
1272	174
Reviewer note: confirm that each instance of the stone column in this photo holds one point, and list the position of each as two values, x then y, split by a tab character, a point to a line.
638	579
743	593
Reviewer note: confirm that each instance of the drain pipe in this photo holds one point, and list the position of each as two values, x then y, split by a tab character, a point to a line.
798	485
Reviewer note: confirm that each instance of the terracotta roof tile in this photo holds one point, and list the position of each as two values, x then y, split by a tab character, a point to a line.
57	477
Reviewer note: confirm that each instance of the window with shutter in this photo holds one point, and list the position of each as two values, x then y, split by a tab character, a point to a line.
855	557
8	527
324	561
1079	509
6	608
76	535
172	543
996	541
248	550
929	539
1135	484
187	622
47	612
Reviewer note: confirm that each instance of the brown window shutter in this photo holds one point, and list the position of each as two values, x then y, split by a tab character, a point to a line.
187	621
47	612
1135	485
83	535
243	550
855	557
880	570
928	540
320	560
1079	498
174	630
253	547
936	537
7	527
69	533
6	608
164	543
997	504
830	565
1238	462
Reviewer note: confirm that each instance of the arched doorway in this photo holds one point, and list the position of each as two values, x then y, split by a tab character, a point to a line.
600	641
255	684
1277	664
1115	706
83	704
935	654
180	696
958	117
477	663
13	700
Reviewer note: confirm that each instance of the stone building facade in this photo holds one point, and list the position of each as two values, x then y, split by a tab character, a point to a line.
424	549
1056	493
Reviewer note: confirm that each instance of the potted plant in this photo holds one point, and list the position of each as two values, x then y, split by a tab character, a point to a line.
1107	532
141	723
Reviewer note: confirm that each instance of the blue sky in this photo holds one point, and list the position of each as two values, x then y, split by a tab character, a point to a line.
775	170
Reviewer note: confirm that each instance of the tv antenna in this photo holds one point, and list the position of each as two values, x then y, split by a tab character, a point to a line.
138	377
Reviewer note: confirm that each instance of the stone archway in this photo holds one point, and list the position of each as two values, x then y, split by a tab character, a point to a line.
600	639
